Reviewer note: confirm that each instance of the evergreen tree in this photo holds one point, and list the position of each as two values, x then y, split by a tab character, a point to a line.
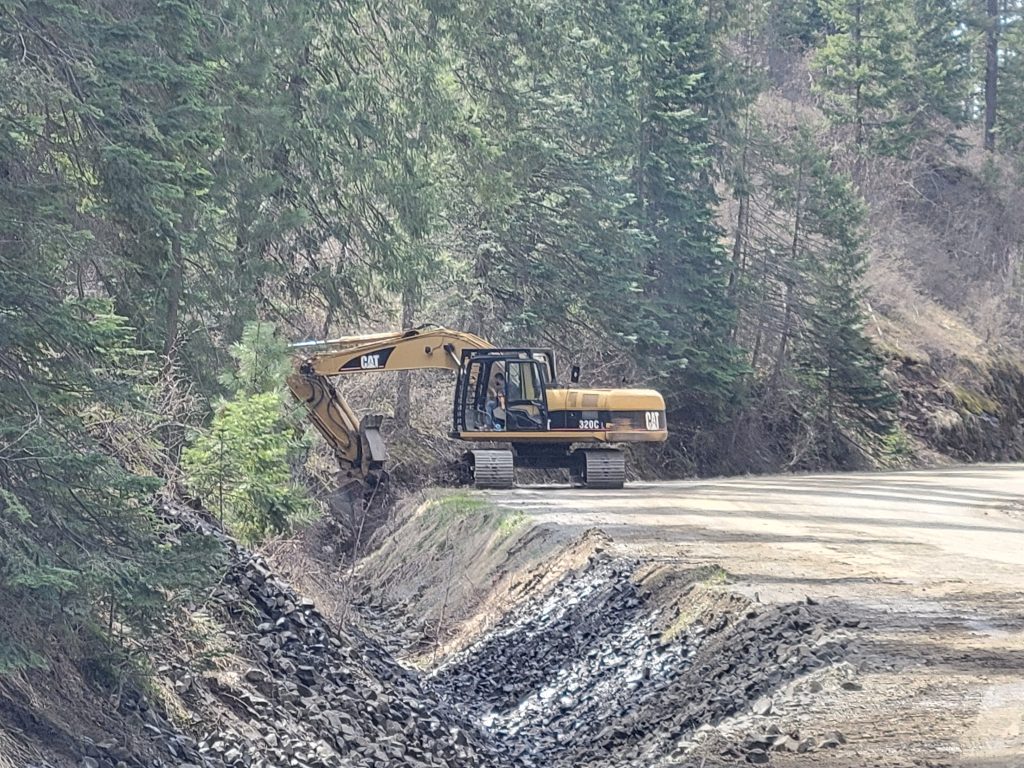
542	144
800	25
328	164
864	70
822	336
940	74
261	362
81	550
593	178
685	309
992	26
1010	119
241	467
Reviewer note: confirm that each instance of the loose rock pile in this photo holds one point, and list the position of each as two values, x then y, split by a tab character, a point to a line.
296	693
318	698
565	630
586	675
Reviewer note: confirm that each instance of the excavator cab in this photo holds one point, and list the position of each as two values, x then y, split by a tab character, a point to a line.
522	396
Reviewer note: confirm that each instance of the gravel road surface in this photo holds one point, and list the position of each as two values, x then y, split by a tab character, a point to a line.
932	562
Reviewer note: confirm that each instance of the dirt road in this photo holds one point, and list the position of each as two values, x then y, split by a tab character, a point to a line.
931	561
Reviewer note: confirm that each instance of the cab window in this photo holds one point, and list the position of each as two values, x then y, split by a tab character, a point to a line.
522	381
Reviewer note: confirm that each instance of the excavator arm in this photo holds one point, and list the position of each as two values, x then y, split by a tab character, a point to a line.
357	443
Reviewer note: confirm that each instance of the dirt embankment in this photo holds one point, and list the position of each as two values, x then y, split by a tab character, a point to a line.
451	569
961	409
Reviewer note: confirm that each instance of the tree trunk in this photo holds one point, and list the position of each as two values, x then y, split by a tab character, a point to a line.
794	255
739	246
403	399
172	433
991	72
830	420
858	58
174	282
762	310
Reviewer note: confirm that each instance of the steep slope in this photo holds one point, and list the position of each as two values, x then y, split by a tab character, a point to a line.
258	679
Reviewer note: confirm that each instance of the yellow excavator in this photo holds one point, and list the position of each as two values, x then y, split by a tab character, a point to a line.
505	395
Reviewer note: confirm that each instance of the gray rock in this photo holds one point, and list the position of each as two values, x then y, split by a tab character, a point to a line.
807	745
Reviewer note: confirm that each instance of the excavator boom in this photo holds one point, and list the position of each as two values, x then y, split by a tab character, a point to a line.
357	443
425	347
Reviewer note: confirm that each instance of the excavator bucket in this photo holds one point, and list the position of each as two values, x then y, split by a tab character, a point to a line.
346	500
373	442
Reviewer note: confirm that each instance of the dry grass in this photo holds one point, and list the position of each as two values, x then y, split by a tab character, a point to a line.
12	754
945	252
455	567
906	323
944	242
44	713
532	568
318	575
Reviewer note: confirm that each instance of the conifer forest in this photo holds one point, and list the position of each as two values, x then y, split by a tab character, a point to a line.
797	220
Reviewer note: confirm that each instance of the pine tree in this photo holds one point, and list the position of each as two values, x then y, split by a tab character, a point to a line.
593	180
1010	118
241	467
940	73
864	70
836	364
685	309
79	537
541	144
800	25
81	550
992	26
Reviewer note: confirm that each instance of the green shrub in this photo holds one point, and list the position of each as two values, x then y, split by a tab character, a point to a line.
241	466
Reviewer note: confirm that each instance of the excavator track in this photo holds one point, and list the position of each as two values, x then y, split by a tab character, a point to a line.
602	468
493	469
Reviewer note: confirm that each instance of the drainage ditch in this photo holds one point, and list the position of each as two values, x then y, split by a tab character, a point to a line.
616	663
604	669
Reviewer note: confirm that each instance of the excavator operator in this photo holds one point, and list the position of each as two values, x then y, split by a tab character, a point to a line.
495	400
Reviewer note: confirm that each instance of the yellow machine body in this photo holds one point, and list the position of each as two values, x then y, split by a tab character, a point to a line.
545	425
594	415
